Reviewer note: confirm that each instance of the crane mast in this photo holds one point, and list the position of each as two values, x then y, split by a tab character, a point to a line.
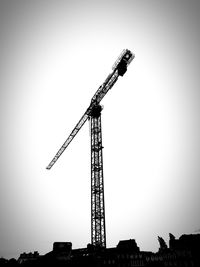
93	112
98	227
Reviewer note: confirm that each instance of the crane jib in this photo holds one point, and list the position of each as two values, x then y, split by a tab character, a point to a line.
119	68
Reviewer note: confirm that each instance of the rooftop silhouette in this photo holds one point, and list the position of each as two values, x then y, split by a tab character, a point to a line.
183	251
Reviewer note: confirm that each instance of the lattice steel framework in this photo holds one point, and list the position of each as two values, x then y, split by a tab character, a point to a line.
93	112
98	231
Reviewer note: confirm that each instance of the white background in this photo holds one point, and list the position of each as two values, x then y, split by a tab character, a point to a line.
54	56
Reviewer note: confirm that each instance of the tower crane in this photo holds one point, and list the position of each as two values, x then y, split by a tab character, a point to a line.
93	113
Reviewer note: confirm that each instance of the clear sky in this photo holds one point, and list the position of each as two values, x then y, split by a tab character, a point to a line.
54	56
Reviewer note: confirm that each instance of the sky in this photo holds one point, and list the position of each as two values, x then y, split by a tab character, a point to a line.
54	56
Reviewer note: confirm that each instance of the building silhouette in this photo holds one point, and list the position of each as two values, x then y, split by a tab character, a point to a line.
184	251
